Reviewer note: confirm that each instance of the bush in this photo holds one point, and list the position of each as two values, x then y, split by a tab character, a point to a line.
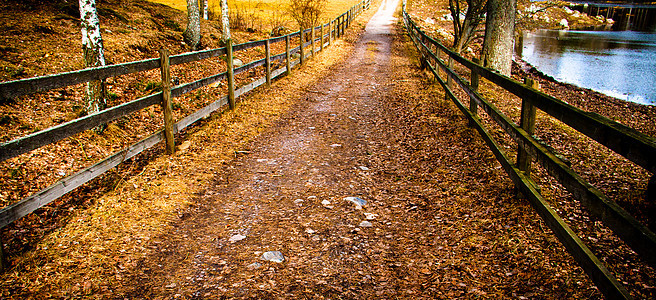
306	12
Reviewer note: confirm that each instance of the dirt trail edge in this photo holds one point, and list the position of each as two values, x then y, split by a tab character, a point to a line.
437	219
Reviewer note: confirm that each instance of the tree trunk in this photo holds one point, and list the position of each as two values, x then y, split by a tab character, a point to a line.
205	8
94	56
192	33
225	21
499	35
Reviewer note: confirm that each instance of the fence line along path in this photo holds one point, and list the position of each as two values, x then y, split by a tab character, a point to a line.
330	31
633	145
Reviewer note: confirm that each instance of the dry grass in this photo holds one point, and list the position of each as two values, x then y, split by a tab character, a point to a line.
265	9
88	254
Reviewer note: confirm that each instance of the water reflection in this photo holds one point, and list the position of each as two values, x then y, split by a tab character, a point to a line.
621	64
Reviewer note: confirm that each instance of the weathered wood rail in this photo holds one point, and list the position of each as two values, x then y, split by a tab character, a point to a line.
631	144
11	89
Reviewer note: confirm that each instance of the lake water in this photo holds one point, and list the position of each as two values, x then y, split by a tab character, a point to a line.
621	64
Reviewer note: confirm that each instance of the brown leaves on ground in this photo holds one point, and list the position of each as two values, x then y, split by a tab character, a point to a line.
273	175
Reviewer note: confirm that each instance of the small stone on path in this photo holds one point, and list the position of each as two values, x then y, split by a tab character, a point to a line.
356	200
184	146
336	145
366	224
253	266
236	238
363	168
274	256
309	231
326	204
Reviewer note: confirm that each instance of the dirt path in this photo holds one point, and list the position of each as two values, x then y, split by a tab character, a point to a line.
440	219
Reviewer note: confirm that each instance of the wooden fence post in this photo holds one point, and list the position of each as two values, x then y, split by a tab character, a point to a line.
330	32
267	64
348	18
166	100
349	15
527	122
321	39
438	56
287	55
341	26
231	75
3	266
312	36
301	50
448	78
473	107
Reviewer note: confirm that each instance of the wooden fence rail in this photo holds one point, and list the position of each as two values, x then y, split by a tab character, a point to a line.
631	144
33	141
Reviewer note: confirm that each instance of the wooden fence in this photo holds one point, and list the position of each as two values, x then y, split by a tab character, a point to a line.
329	31
631	144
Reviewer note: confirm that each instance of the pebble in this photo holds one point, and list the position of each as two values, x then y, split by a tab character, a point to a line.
357	201
274	256
336	145
363	168
366	224
370	216
184	146
236	238
253	266
309	231
326	204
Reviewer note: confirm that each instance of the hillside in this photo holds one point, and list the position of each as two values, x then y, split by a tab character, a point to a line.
43	37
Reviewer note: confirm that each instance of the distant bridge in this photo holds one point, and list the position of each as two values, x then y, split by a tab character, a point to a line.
611	3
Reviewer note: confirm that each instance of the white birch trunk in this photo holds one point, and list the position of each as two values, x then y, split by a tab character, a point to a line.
94	56
205	8
225	21
192	33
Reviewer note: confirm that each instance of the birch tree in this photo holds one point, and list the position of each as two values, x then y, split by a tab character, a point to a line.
499	35
191	35
225	21
94	56
205	9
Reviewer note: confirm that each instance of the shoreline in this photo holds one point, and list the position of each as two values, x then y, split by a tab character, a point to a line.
629	113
